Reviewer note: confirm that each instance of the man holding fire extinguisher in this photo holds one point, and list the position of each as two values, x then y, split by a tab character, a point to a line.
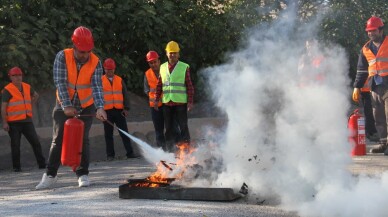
77	75
372	68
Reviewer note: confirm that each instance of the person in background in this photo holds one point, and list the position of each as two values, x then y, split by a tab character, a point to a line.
16	112
77	73
366	104
151	78
116	105
372	68
178	91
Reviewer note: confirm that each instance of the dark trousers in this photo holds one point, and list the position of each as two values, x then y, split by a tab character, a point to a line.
28	130
158	121
380	111
115	117
59	119
366	101
175	114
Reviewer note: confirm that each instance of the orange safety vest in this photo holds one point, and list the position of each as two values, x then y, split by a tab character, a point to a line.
80	81
152	82
113	92
378	64
19	106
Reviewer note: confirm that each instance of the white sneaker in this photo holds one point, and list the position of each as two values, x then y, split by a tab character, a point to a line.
83	181
46	182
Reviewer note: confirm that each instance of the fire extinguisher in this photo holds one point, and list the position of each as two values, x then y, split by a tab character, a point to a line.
72	143
356	126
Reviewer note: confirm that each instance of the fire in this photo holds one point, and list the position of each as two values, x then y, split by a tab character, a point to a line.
166	172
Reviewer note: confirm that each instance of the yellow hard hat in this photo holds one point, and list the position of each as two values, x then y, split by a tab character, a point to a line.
172	46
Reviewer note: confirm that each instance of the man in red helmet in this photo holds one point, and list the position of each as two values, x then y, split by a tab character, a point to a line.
151	78
77	76
116	105
372	69
16	112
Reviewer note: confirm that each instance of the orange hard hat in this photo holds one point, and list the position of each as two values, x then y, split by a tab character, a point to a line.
374	23
109	64
152	55
83	39
15	71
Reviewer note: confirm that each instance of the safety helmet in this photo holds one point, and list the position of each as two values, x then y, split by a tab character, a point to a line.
109	64
15	71
152	55
374	23
83	39
172	46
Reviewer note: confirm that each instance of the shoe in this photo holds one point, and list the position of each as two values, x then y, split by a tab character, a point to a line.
131	156
110	158
47	181
373	137
17	170
83	181
380	149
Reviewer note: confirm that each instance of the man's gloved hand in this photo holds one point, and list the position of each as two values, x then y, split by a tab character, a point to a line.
356	94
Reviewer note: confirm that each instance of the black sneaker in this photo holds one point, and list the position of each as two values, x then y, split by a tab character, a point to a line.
17	170
380	149
373	137
131	156
110	158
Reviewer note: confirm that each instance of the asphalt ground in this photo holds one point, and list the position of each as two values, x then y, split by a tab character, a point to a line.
18	196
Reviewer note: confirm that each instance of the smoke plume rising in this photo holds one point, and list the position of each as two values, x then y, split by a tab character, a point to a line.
287	133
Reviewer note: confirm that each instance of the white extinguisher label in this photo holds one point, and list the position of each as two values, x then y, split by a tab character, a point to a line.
361	130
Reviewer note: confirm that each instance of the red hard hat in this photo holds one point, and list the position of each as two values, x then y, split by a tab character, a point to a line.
109	64
83	39
374	23
152	55
15	71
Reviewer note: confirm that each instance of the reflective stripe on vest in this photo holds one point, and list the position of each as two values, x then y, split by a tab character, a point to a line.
174	88
19	106
113	93
80	82
152	82
378	64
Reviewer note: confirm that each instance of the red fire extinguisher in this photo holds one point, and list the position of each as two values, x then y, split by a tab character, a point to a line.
356	126
72	143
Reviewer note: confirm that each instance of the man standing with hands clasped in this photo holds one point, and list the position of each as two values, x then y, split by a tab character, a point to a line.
16	112
116	105
178	91
77	77
372	68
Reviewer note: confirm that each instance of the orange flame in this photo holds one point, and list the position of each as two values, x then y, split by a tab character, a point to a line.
168	172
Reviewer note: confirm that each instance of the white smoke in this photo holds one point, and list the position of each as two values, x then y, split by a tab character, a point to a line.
287	133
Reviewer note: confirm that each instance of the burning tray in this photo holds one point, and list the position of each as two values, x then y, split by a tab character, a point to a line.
163	190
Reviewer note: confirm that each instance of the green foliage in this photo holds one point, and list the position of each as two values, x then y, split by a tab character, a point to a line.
32	32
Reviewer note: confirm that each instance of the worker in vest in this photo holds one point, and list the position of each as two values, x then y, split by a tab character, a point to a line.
178	91
116	105
373	67
16	112
77	73
151	78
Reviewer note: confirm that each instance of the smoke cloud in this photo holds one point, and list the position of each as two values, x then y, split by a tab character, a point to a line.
287	133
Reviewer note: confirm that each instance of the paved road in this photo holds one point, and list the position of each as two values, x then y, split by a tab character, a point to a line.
19	198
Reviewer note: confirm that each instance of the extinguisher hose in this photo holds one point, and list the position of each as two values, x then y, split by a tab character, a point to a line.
110	123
